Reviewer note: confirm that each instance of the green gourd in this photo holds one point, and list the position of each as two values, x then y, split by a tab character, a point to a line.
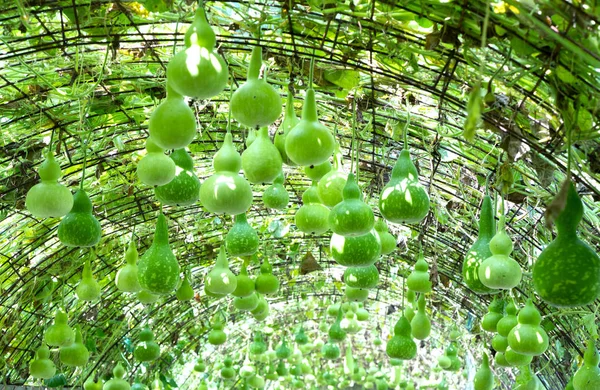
500	360
89	384
262	310
499	343
261	161
226	192
245	285
172	124
330	351
282	369
283	351
220	280
452	354
75	354
88	288
403	199
528	337
198	71
332	184
242	239
217	336
484	377
493	316
316	172
567	272
185	292
200	366
272	374
42	366
312	217
349	323
266	283
49	198
184	189
509	321
444	362
333	309
247	303
515	359
358	251
336	333
418	279
258	345
300	337
362	314
362	277
527	380
227	371
256	382
401	345
409	303
117	383
480	250
454	333
256	103
588	375
388	241
290	120
146	349
420	324
500	271
569	385
356	294
351	217
247	370
127	277
158	269
276	196
155	168
59	334
252	133
146	297
79	228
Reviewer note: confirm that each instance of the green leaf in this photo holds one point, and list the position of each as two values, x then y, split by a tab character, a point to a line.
585	120
155	5
347	79
56	381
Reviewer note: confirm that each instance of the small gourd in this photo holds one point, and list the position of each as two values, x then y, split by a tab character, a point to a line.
401	345
515	359
172	124
276	196
351	217
198	71
500	271
185	292
330	351
200	366
266	283
184	189
158	269
452	354
258	345
484	377
147	349
42	366
220	280
59	334
360	251
588	375
493	316
247	370
362	277
256	103
499	343
217	336
146	297
226	192
509	320
349	323
301	338
283	351
409	303
290	120
335	332
127	277
79	228
245	285
332	184
500	360
420	324
418	280
567	272
262	310
256	382
88	288
528	337
49	198
356	294
76	354
242	239
312	217
261	161
155	168
227	371
117	383
247	303
388	241
362	314
316	172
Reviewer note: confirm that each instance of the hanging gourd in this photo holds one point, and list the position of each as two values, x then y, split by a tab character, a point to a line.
490	320
300	337
59	334
227	371
252	133
312	217
515	359
247	370
220	280
351	217
75	354
330	351
256	103
158	269
184	189
245	285
172	124
588	375
567	272
242	239
117	382
500	271
388	241
79	228
420	324
276	196
198	71
155	168
258	345
146	349
528	337
362	277
256	382
290	120
349	323
401	345
127	277
261	161
332	184
484	377
49	198
185	292
42	366
452	354
266	283
362	314
200	366
248	303
226	192
316	172
358	251
335	332
262	310
499	343
418	279
146	297
480	250
88	288
409	303
217	336
356	294
283	351
136	385
527	380
509	321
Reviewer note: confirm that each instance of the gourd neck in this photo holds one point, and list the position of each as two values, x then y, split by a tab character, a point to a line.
404	168
152	147
131	255
255	63
227	158
309	111
279	179
351	190
200	33
161	235
81	202
263	133
289	107
241	219
87	271
591	357
171	93
571	215
337	158
486	219
49	170
61	318
266	267
222	262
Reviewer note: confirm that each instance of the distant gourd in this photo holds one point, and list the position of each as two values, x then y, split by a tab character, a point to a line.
335	332
480	250
500	360
360	251
418	279
499	343
49	198
227	371
262	310
184	189
242	239
185	292
528	337
247	303
276	196
420	324
312	217
155	168
316	172
198	71
484	377
410	301
452	354
509	321
500	271
330	351
283	351
217	336
258	345
256	103
146	297
401	345
127	277
245	285
59	334
226	192
331	185
567	272
146	349
79	228
588	375
172	124
290	120
220	279
362	314
117	383
247	370
88	288
300	337
42	367
261	161
362	277
403	199
200	366
356	294
388	241
266	283
490	320
158	269
75	354
352	216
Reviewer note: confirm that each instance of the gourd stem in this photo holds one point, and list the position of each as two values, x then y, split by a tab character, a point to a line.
353	145
311	71
405	130
255	63
229	110
569	150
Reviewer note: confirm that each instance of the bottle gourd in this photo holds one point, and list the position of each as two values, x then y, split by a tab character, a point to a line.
500	271
49	198
261	161
242	239
79	228
276	196
352	216
184	189
312	217
172	124
127	277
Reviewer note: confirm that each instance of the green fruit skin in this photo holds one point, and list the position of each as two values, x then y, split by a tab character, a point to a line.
330	188
420	326
172	124
241	240
267	284
226	193
256	104
217	337
356	294
88	290
158	270
74	355
500	360
146	351
42	368
198	72
388	243
248	303
312	218
516	359
146	297
362	277
330	351
499	343
358	251
316	172
309	143
156	169
261	162
351	218
484	378
183	190
404	202
276	197
127	279
490	321
79	230
401	347
499	272
525	339
49	199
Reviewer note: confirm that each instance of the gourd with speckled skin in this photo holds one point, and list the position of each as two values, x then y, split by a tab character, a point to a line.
362	277
49	198
331	185
588	375
79	228
184	189
185	292
155	168
261	161
242	239
276	196
42	366
172	124
351	217
500	271
127	277
220	280
528	337
330	351
316	172
312	217
360	251
401	345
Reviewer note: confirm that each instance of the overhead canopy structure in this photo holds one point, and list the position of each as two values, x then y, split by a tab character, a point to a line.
83	76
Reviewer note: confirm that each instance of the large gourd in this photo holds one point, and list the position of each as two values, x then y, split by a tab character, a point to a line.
79	228
88	288
261	161
352	216
127	277
500	271
528	337
247	303
76	354
158	269
484	377
388	241
418	280
242	239
117	382
276	196
266	283
49	198
290	120
42	366
360	251
59	334
220	280
226	192
588	375
198	71
184	189
155	168
172	124
146	349
184	292
480	250
420	324
567	272
490	320
401	345
362	277
312	217
256	103
331	185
